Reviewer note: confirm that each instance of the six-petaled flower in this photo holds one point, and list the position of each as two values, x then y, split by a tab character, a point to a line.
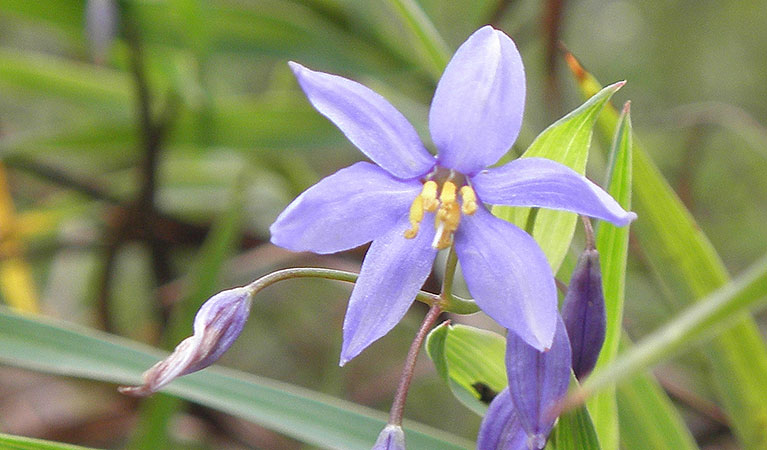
411	204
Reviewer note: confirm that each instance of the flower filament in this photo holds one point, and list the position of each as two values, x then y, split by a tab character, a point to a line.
448	211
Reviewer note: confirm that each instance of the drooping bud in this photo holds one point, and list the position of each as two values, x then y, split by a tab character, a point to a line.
101	18
217	325
392	437
537	382
583	312
501	429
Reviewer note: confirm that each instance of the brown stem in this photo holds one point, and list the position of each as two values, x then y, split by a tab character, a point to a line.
398	406
589	231
552	29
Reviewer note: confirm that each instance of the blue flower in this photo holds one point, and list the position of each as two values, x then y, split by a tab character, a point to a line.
412	204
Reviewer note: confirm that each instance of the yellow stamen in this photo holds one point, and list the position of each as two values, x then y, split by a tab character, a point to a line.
429	196
447	218
448	193
468	200
416	215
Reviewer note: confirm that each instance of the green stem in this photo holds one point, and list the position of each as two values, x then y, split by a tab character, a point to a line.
452	303
447	283
530	224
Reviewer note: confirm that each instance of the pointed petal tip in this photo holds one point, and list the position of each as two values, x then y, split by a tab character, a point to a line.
295	67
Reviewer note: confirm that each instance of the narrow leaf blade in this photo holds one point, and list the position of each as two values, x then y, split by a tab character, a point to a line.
566	141
314	418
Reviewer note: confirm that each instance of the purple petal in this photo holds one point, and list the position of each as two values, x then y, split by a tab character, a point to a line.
501	429
392	273
508	276
477	108
538	381
392	437
545	183
216	326
583	313
368	121
347	209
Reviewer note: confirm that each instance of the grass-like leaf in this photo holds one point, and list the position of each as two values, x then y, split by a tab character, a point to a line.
566	141
612	243
317	419
686	263
10	442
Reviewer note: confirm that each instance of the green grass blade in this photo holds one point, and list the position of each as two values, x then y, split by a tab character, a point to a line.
432	44
575	431
10	442
713	314
566	141
612	243
688	265
46	346
647	418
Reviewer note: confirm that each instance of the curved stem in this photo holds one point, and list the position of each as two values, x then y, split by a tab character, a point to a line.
398	406
453	304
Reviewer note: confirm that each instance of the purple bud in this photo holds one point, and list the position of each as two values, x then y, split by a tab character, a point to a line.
537	382
216	326
391	438
501	429
583	312
100	27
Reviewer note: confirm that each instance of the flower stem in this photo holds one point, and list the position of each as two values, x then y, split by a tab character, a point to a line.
446	297
451	303
398	406
589	231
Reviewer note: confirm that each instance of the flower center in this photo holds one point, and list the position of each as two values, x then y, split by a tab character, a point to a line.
448	211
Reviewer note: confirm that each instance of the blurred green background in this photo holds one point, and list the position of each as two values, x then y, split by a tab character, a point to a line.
120	151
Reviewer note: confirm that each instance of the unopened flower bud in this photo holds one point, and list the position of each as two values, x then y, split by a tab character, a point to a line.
538	381
217	325
392	437
583	312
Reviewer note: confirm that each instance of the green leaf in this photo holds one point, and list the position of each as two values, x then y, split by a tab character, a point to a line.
431	43
471	361
687	264
435	348
575	430
65	349
10	442
612	243
700	321
566	141
647	418
40	74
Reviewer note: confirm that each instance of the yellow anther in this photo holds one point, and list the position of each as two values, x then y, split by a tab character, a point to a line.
449	214
448	193
429	196
468	200
416	215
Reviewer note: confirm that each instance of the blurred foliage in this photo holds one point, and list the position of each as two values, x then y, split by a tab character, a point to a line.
107	213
